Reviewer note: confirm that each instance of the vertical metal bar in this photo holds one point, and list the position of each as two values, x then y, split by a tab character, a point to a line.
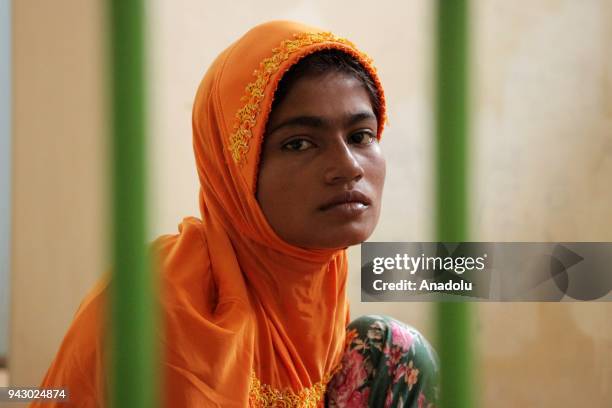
452	110
132	306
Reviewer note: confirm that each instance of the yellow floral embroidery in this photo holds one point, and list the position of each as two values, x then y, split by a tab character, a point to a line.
254	92
264	396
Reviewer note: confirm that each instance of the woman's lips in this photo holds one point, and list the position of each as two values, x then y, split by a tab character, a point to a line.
347	210
350	203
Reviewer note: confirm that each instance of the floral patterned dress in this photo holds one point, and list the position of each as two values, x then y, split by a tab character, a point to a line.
385	364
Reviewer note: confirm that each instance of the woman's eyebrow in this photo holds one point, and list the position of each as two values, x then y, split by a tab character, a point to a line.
359	116
321	122
308	121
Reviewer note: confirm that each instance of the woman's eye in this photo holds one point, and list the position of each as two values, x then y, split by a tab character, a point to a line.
362	138
298	145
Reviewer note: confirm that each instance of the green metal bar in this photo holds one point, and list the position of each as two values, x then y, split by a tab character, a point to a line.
452	110
132	306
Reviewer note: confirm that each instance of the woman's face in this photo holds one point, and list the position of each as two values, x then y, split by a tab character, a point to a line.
322	170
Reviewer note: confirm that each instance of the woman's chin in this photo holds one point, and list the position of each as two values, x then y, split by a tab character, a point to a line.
338	238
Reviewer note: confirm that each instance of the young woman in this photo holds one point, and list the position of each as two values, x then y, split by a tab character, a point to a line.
286	130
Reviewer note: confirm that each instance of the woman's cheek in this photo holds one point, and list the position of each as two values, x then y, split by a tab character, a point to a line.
377	169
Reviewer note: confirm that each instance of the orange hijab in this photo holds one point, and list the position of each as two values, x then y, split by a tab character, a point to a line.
249	318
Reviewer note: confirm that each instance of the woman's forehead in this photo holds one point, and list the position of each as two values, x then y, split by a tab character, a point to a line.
320	101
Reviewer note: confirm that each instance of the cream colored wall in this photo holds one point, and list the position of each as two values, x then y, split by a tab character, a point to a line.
542	155
543	161
58	184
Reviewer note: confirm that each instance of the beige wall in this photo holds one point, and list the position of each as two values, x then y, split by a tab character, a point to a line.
542	157
58	184
543	161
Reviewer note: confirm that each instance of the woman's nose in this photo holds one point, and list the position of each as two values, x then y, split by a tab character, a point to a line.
342	165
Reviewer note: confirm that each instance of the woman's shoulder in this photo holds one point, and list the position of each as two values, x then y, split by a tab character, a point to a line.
183	262
189	236
186	250
79	362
